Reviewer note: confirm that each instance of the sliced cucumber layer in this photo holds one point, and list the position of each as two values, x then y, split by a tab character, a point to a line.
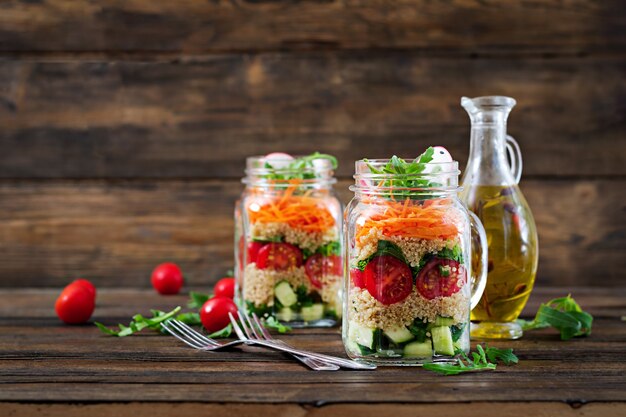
285	294
442	340
421	340
399	335
313	312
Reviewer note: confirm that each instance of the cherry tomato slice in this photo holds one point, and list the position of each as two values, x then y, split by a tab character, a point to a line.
225	287
318	266
388	279
214	313
440	278
167	279
75	305
253	250
279	257
358	278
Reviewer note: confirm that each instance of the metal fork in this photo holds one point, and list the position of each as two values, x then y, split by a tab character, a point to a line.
196	340
345	363
192	338
250	329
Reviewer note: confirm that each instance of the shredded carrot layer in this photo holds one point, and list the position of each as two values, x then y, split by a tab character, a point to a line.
422	220
301	212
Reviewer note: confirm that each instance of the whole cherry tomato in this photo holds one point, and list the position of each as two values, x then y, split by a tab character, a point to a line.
75	305
225	287
167	278
214	313
85	284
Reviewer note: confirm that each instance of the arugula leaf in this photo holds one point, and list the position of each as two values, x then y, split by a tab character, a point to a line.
419	329
564	314
225	332
197	299
304	299
138	323
482	360
385	247
505	356
406	175
272	323
261	311
191	319
455	254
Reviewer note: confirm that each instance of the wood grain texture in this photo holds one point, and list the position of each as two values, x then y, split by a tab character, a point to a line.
115	232
199	118
466	26
473	409
42	360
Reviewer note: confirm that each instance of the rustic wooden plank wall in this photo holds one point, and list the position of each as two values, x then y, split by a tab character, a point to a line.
124	124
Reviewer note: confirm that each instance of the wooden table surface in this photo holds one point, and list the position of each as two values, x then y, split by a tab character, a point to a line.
52	369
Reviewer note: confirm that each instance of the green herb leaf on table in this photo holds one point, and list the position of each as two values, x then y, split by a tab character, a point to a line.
564	314
482	360
225	332
190	319
138	323
271	323
197	299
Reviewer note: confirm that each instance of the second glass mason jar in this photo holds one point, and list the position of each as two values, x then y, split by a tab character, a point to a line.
408	243
288	241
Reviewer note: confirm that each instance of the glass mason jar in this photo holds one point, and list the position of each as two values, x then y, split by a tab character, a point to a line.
288	243
410	284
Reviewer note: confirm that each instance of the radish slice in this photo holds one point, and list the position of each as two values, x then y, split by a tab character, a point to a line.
278	160
441	155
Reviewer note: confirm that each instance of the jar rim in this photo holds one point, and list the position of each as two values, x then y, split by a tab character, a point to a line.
439	177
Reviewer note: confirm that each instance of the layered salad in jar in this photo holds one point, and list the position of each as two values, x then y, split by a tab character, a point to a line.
290	246
407	248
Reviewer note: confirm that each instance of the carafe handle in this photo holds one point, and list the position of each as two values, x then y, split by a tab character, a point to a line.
515	156
478	250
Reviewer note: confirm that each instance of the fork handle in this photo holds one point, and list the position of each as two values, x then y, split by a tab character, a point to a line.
346	363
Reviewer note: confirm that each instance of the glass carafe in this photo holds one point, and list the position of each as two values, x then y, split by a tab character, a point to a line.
490	190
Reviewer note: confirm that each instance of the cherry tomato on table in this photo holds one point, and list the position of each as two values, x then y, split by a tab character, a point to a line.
75	305
81	282
279	257
225	287
440	278
388	279
214	313
167	278
317	266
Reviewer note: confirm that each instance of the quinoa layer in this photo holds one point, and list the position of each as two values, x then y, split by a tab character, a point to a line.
369	312
258	284
301	238
412	248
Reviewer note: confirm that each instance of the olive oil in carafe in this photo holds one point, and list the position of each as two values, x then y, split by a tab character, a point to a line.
513	254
